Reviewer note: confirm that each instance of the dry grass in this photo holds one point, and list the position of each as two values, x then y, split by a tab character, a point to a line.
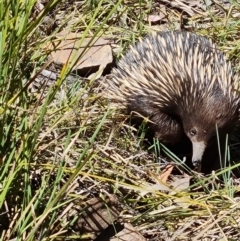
82	148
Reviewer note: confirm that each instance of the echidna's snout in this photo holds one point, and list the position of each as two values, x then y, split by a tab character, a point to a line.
198	150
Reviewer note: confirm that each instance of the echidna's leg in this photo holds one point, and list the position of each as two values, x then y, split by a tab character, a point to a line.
167	129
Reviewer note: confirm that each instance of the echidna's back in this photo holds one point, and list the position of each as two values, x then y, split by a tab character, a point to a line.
169	65
176	43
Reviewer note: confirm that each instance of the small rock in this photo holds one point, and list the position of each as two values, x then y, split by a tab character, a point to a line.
97	215
95	53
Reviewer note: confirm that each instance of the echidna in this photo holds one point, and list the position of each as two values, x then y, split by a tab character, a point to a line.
183	84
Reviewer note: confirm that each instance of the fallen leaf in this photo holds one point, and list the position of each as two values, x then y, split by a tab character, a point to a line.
165	173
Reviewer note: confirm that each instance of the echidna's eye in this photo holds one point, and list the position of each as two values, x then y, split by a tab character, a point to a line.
193	132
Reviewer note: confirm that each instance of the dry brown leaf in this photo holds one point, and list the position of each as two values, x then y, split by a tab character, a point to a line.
165	173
